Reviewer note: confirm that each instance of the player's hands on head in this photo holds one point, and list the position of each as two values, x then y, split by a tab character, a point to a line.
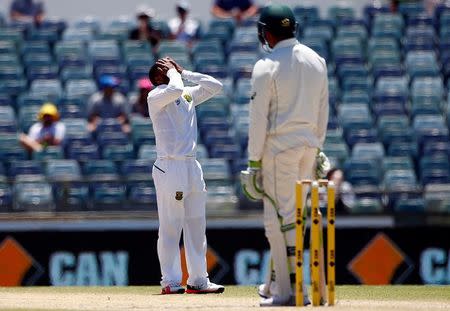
177	66
164	65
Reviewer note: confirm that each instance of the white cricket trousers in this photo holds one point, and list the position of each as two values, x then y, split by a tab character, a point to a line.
280	172
181	199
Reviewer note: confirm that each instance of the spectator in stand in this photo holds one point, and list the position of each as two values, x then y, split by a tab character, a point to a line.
182	27
47	132
345	197
394	4
430	5
27	11
237	9
107	103
140	106
144	30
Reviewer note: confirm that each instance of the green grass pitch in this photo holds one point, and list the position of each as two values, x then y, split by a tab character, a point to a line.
234	298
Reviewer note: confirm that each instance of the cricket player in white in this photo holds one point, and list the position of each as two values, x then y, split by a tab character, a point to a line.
288	121
178	177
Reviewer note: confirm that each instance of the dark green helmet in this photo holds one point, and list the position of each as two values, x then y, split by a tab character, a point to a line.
277	19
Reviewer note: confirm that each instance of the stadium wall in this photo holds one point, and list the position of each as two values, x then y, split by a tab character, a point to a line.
376	255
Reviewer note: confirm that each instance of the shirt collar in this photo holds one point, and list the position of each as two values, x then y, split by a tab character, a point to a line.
285	43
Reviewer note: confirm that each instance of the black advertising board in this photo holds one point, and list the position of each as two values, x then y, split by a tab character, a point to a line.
418	255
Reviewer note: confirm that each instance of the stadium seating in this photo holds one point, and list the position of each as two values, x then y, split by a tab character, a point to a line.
388	91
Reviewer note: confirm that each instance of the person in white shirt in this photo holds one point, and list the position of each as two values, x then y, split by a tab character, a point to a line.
288	121
178	177
49	131
182	27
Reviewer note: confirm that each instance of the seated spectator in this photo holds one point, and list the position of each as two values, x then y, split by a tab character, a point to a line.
140	106
107	103
345	197
47	132
27	11
237	9
394	4
144	30
182	27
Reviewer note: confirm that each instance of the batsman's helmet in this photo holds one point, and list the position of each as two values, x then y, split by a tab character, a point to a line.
277	19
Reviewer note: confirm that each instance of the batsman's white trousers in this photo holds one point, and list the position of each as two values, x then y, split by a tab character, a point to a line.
280	172
181	198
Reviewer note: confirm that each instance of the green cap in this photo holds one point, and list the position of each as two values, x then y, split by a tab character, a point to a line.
278	19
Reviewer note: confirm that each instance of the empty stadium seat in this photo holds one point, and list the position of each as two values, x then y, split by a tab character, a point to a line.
142	197
221	200
147	152
24	168
367	206
63	170
137	170
118	152
100	170
6	197
368	151
362	171
216	172
10	149
109	196
355	116
49	153
387	25
83	153
33	196
410	206
422	63
397	163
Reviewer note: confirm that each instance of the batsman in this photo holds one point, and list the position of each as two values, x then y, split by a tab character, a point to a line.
288	122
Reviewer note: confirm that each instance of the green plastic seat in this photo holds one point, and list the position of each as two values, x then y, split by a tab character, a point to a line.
118	152
172	47
100	170
367	206
339	13
337	150
334	137
216	172
221	200
397	163
410	206
142	136
352	31
49	153
147	152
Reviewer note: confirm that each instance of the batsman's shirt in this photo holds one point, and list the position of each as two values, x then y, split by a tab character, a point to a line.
172	111
289	106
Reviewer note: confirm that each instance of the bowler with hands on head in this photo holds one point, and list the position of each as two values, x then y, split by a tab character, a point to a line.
178	177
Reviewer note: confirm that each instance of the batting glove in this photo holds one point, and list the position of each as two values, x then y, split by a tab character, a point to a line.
323	165
251	181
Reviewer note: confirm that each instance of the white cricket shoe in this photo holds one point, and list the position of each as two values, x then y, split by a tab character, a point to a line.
264	290
207	288
276	301
173	288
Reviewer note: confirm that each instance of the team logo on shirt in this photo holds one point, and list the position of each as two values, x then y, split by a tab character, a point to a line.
179	195
187	97
178	102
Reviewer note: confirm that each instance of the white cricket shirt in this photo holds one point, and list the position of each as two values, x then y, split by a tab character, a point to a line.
289	106
172	111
